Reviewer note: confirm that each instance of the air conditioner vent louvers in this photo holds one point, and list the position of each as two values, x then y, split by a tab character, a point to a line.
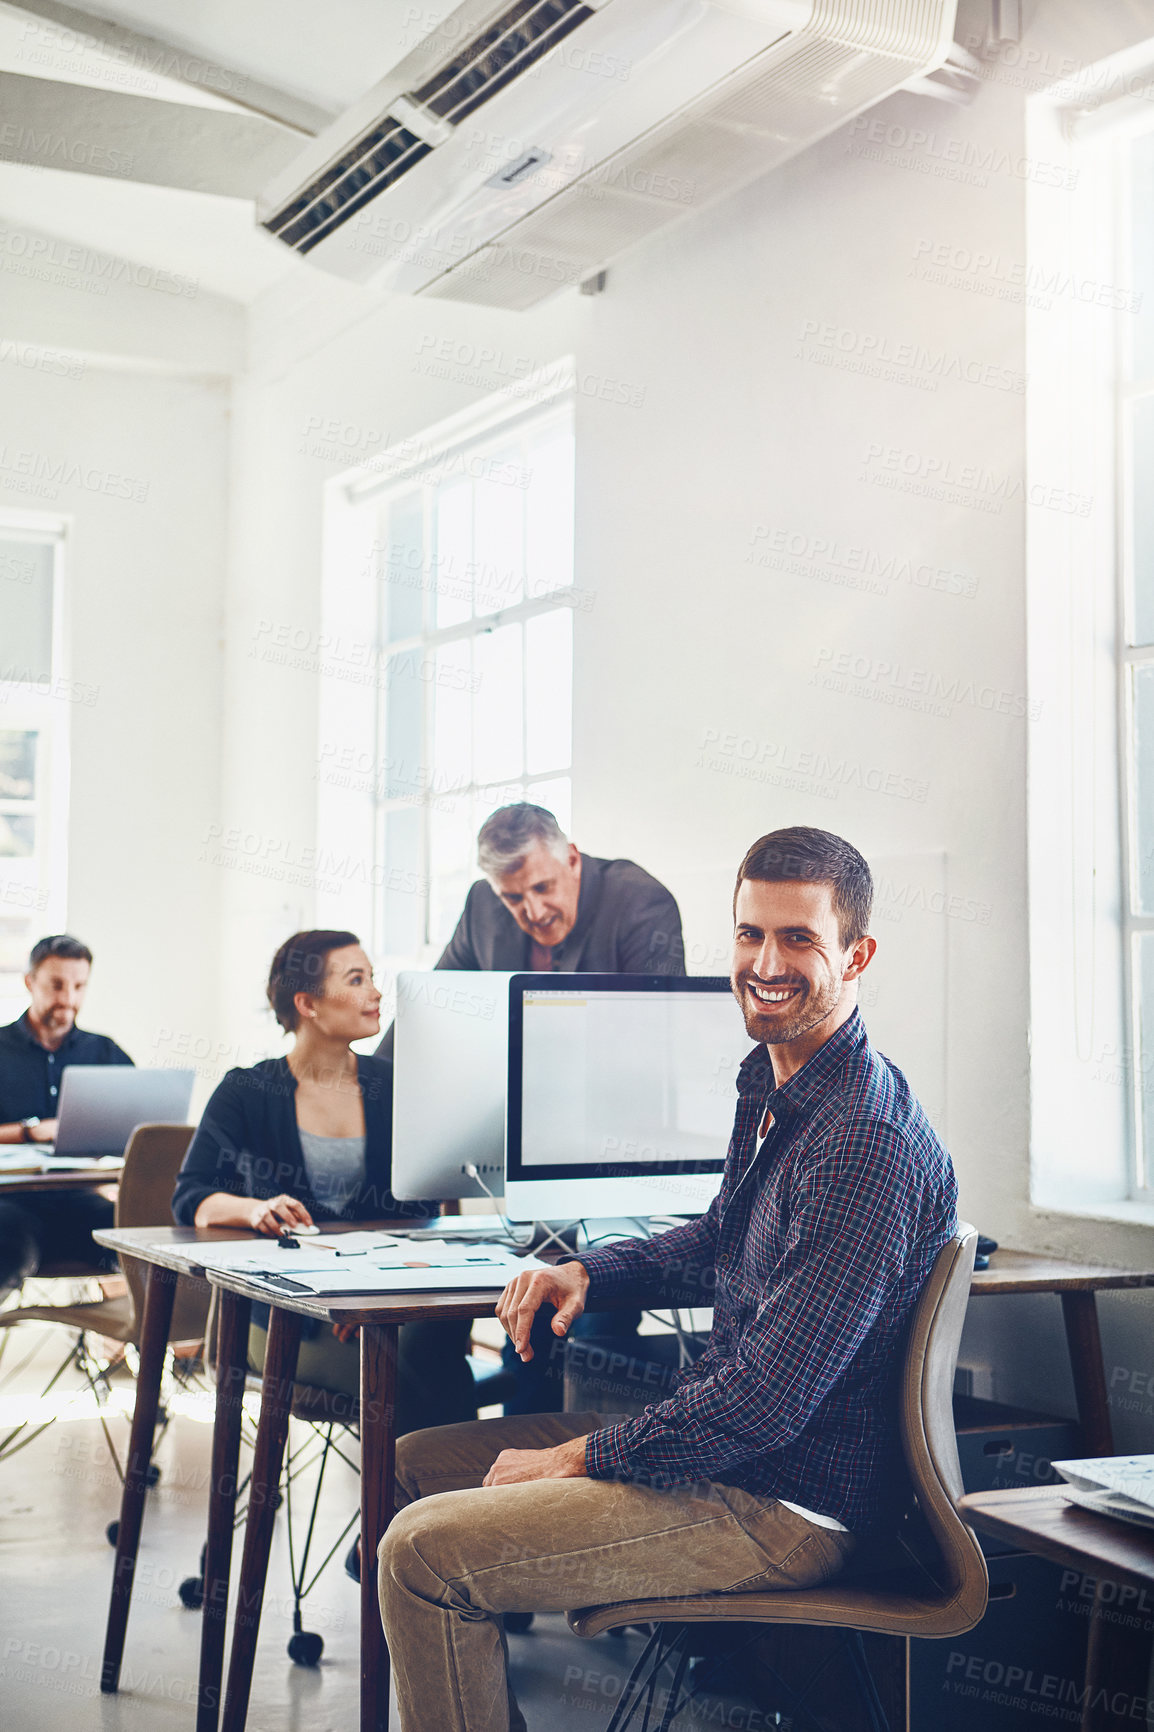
501	53
336	196
380	136
523	33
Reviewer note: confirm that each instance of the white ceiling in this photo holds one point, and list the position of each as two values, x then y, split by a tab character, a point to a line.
214	240
328	54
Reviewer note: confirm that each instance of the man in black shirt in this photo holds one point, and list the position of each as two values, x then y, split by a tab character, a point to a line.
35	1051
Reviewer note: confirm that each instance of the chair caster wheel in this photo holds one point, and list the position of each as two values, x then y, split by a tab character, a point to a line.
191	1592
305	1648
112	1532
152	1474
518	1622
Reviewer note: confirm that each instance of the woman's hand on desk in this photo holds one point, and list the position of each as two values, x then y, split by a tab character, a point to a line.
565	1287
515	1466
272	1215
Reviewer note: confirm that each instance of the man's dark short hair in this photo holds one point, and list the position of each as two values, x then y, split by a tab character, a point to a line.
60	944
801	855
299	966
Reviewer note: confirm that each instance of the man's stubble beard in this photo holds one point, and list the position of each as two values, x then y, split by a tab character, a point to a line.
811	1010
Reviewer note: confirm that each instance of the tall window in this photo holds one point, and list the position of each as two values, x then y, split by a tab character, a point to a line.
1136	613
35	701
472	567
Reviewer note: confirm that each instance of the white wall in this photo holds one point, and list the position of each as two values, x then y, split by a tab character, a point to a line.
144	609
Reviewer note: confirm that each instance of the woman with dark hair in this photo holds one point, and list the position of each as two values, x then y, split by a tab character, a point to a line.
309	1137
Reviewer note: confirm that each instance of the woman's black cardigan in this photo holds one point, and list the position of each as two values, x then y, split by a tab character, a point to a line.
248	1143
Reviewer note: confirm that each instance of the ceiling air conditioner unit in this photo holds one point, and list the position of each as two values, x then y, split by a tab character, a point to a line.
522	146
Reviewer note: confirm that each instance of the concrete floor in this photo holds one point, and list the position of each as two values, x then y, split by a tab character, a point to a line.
56	1499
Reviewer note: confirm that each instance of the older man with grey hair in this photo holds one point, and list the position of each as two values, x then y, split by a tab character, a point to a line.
544	905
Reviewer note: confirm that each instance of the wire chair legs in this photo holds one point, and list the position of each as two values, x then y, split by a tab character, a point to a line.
669	1647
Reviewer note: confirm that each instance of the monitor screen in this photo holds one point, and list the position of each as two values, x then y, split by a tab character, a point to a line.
620	1076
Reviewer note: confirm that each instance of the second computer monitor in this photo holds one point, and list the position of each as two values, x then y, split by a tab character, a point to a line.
450	1067
621	1093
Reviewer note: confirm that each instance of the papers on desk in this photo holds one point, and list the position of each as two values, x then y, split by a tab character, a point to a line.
33	1158
1113	1485
258	1254
349	1263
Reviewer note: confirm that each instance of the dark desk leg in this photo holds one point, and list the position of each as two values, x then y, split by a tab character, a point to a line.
1117	1663
158	1301
231	1364
1080	1314
378	1465
280	1363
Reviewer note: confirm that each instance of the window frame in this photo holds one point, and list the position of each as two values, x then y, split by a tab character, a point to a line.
24	706
547	397
1130	656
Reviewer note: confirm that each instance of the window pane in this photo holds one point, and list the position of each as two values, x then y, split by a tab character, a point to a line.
403	569
1142	259
549	514
549	691
403	899
498	749
17	764
17	835
454	566
1141	490
499	538
556	795
404	696
16	940
452	868
452	716
25	610
1144	1068
1142	701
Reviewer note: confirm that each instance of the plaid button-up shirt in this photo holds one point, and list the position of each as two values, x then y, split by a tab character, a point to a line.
817	1248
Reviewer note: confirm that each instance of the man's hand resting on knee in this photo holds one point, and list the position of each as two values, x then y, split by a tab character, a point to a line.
565	1287
514	1466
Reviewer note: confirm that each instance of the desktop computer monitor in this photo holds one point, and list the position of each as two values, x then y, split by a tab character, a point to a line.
450	1069
621	1093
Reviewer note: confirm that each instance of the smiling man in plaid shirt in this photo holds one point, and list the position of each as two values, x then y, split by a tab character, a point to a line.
780	1444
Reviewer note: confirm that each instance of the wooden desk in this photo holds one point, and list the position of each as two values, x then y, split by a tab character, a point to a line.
174	1251
1076	1284
170	1252
1041	1520
378	1320
57	1179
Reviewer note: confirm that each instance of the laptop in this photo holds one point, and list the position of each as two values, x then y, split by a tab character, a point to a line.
102	1104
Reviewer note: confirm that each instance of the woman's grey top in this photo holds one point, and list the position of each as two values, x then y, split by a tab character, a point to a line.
335	1168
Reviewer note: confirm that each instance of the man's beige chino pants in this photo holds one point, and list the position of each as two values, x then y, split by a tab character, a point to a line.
459	1554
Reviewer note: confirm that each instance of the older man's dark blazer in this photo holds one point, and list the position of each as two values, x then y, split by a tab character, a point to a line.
627	923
